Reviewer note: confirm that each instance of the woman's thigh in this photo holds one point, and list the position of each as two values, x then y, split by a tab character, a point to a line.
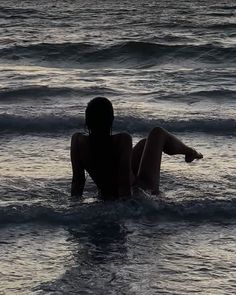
137	155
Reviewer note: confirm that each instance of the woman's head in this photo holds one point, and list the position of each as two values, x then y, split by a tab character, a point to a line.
99	116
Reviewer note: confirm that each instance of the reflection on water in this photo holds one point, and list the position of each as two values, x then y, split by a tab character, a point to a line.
99	251
149	258
102	242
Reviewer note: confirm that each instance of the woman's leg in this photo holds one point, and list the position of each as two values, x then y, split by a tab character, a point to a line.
137	155
146	159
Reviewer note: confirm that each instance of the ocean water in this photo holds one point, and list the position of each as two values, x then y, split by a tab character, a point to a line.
161	63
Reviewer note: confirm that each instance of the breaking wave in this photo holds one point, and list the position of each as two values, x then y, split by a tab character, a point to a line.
80	213
56	123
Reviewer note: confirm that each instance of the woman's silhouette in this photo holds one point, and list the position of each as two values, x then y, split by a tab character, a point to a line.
111	161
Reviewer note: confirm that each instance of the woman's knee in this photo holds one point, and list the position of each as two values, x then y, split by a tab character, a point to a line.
157	132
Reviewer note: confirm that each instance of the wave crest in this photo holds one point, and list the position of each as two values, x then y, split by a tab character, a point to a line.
121	53
56	123
40	91
83	213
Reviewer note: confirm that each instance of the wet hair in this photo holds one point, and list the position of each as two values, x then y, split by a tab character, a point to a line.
99	116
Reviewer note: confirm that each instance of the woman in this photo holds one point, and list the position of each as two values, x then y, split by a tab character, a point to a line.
111	161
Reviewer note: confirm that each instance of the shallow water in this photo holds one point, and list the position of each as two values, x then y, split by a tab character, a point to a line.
141	257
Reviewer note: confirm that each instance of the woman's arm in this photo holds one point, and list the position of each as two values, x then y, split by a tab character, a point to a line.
78	178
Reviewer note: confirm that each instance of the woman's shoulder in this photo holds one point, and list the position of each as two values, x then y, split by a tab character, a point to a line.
79	138
122	137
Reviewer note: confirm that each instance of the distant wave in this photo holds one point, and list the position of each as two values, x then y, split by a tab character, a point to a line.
83	213
221	14
122	53
33	92
217	93
224	7
231	26
214	95
37	91
56	123
17	10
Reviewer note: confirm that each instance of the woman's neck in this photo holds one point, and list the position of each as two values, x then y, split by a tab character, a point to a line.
101	134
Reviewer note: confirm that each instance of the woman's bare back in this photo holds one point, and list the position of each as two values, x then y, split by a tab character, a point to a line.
111	172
